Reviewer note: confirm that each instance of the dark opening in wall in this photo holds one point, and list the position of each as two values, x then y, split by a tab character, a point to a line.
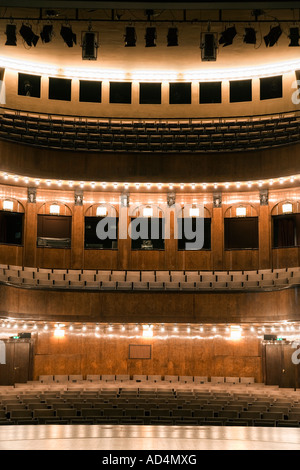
150	93
54	230
241	233
286	230
155	230
11	228
210	92
91	239
183	240
29	85
60	89
271	88
180	93
90	91
120	92
240	90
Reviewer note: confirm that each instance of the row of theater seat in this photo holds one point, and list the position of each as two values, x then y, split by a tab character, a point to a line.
147	135
125	406
150	280
185	379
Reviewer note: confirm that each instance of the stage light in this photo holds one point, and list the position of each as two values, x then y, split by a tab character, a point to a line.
250	36
172	37
294	37
227	36
273	36
68	36
150	37
46	33
11	35
28	35
130	37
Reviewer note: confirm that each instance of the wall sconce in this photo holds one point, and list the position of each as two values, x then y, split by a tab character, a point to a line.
148	212
8	205
101	211
287	208
54	209
241	211
235	333
194	212
59	333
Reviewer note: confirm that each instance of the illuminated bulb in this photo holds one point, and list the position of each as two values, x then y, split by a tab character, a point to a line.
170	186
37	182
46	327
110	328
235	333
215	185
148	185
188	329
84	328
15	326
238	185
16	178
260	183
126	185
71	328
175	329
281	180
123	328
181	186
201	329
137	185
71	183
271	182
59	333
249	184
162	329
25	327
226	185
115	185
48	182
104	185
81	184
5	176
35	327
59	183
193	185
214	329
3	325
292	179
26	180
159	185
204	186
136	328
252	329
8	325
93	184
97	328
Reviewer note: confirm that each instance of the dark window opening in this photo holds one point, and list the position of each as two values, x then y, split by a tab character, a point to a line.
210	92
286	230
183	240
150	93
180	93
90	91
120	92
241	233
29	85
60	89
270	88
154	230
11	228
54	231
91	239
240	90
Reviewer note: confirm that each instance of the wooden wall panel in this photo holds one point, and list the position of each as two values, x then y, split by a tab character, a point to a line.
78	354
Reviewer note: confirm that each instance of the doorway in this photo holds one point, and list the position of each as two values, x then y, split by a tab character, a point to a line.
278	366
18	366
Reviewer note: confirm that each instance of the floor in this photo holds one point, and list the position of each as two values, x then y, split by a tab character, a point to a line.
130	438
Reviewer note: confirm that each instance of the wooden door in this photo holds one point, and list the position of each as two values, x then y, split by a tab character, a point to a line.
18	363
279	368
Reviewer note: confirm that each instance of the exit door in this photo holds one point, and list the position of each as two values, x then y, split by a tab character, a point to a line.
18	363
279	368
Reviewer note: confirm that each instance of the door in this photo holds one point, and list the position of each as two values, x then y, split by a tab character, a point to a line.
278	365
17	368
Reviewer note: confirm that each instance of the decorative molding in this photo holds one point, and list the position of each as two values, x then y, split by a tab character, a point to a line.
217	200
171	199
31	195
124	199
264	197
78	195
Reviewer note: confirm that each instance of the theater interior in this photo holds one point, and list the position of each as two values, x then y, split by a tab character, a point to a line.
149	225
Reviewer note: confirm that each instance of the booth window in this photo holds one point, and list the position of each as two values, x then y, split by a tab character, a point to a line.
286	230
241	233
182	241
91	239
54	231
11	228
153	228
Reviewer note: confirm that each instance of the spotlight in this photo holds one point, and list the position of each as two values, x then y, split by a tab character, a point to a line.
28	35
273	36
250	36
89	45
68	36
172	37
46	33
150	37
294	37
11	35
130	37
227	36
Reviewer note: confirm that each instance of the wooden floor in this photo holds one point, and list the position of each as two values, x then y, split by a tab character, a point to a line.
147	438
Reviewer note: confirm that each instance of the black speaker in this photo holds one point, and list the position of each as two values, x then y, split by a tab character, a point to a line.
208	46
25	335
89	46
270	337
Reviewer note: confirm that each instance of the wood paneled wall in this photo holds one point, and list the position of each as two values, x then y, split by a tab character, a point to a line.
78	354
217	258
